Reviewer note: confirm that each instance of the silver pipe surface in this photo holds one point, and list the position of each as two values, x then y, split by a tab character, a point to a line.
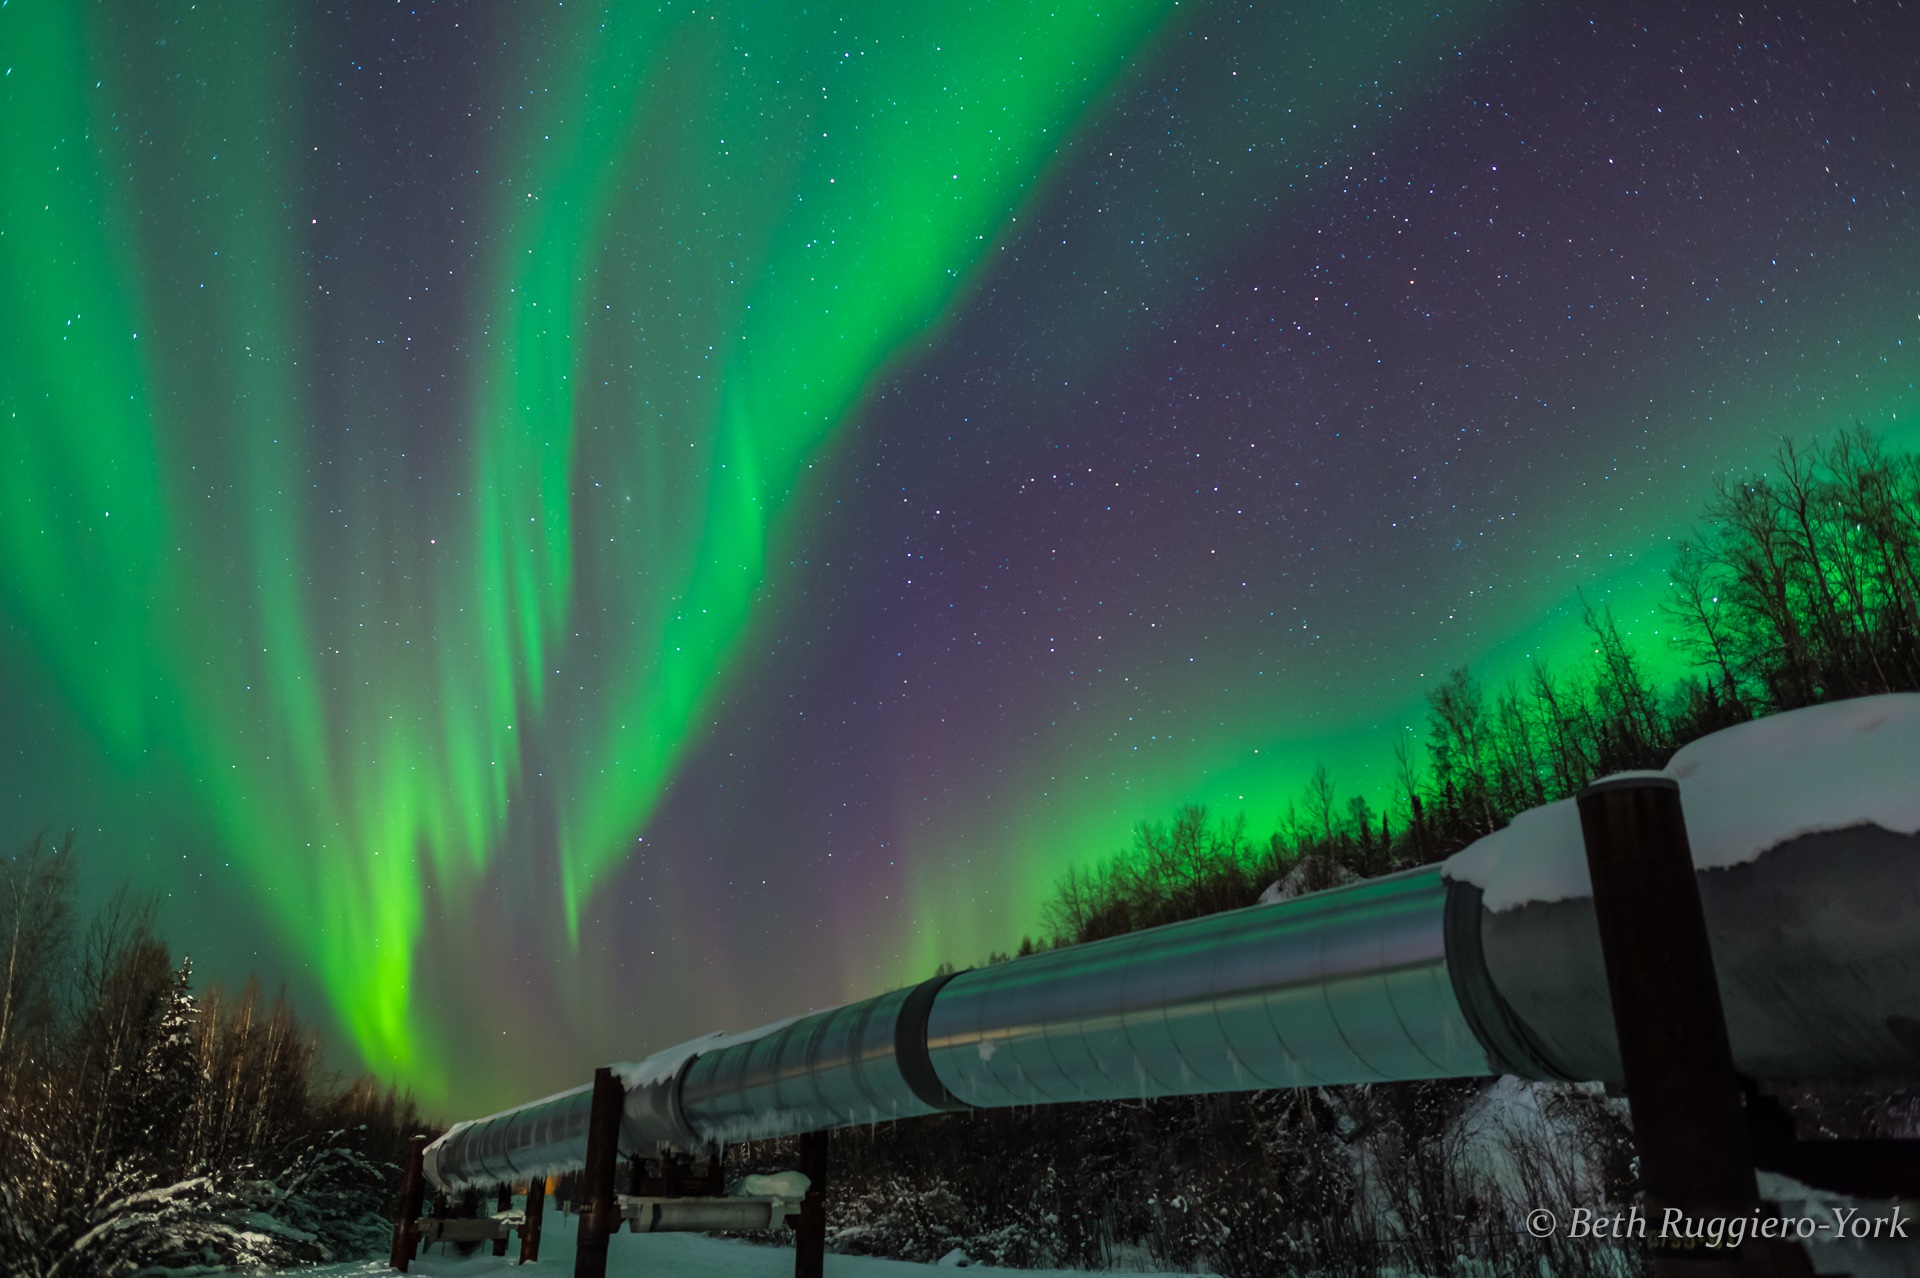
837	1068
704	1215
536	1139
1816	947
1344	986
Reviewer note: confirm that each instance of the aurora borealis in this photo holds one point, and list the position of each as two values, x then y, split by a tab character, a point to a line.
555	529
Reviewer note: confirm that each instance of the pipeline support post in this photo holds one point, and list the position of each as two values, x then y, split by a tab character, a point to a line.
530	1230
413	1192
599	1207
502	1202
810	1227
1683	1094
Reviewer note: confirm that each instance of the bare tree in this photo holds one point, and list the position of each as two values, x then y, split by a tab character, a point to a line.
1320	806
1457	737
36	895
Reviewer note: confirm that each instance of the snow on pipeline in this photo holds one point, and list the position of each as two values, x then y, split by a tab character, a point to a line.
1745	790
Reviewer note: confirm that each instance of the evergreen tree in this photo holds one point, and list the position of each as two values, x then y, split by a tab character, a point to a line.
166	1092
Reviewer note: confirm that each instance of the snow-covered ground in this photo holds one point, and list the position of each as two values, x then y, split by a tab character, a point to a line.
669	1256
702	1256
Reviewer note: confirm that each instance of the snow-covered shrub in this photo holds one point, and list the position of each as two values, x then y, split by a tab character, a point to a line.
900	1217
327	1203
143	1126
1430	1179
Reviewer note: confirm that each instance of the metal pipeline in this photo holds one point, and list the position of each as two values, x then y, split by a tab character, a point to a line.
1346	986
541	1138
1816	946
1349	985
1405	977
704	1215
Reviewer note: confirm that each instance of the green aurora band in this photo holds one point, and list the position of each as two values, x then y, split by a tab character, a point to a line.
388	629
157	529
711	229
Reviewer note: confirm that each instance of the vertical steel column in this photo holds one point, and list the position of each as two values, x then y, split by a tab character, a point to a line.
536	1210
810	1229
406	1220
599	1208
1681	1088
503	1201
670	1170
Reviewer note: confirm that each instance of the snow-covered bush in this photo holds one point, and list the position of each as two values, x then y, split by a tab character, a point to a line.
1431	1179
143	1126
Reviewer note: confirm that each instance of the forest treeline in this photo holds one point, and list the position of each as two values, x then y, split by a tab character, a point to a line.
143	1125
1798	587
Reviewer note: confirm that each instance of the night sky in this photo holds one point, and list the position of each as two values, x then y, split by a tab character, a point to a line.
556	528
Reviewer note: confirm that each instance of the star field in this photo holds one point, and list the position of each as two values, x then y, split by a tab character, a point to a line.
556	531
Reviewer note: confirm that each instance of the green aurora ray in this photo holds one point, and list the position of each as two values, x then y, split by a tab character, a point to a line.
394	629
710	228
708	231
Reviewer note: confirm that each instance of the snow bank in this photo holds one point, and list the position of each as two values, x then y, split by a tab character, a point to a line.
1745	789
1539	857
790	1185
650	1255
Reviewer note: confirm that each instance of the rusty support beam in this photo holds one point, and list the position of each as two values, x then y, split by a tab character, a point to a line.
503	1201
810	1227
413	1193
536	1210
599	1204
1683	1094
